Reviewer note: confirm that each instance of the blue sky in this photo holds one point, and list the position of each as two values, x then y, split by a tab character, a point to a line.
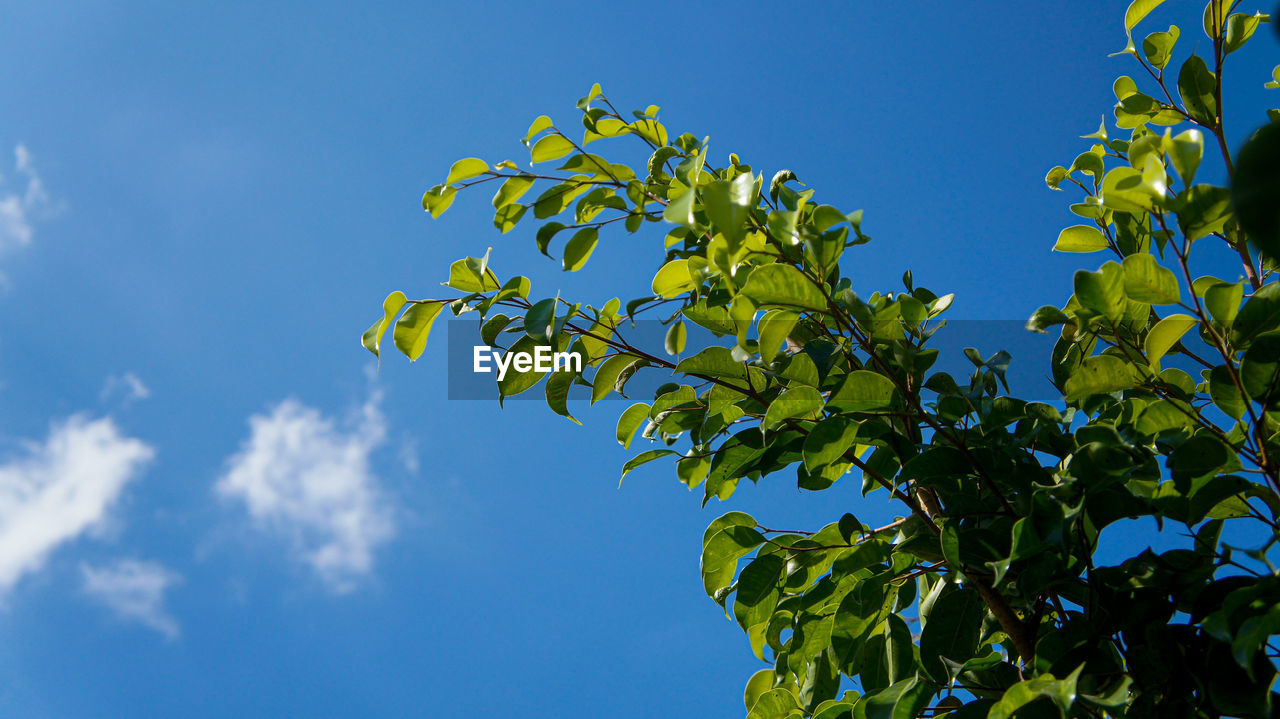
211	504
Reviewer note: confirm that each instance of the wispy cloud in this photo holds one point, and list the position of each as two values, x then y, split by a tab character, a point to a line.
306	478
21	202
135	591
62	488
128	387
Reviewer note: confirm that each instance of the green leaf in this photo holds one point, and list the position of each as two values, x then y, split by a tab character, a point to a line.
557	392
1061	692
1045	317
780	284
1260	369
413	328
1137	10
1255	191
1225	394
551	147
465	275
466	169
1102	291
728	205
579	248
1223	301
1163	415
513	189
1146	281
1164	335
828	442
721	552
673	280
1102	374
372	338
1260	314
437	199
1123	190
644	458
775	704
537	321
1196	87
607	375
1197	457
951	632
1158	46
492	327
630	420
799	402
675	338
774	328
1054	177
757	685
1081	238
1185	151
680	210
541	123
1205	209
864	391
517	380
1216	22
506	218
713	362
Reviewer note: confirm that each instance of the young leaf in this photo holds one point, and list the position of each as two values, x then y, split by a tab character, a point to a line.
579	248
551	147
1081	238
465	169
414	326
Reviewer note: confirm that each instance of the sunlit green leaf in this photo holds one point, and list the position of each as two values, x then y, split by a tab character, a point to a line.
466	169
1081	238
579	248
780	284
728	205
644	458
629	421
1164	335
541	123
414	326
1145	280
551	147
437	199
673	279
512	189
1196	86
372	338
1185	151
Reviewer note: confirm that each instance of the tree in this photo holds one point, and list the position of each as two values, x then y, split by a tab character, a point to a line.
1003	500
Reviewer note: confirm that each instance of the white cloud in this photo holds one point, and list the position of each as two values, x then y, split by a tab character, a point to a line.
61	489
19	206
127	386
302	476
409	454
134	590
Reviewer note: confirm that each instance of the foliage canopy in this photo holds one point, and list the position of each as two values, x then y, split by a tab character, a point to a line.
1003	500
